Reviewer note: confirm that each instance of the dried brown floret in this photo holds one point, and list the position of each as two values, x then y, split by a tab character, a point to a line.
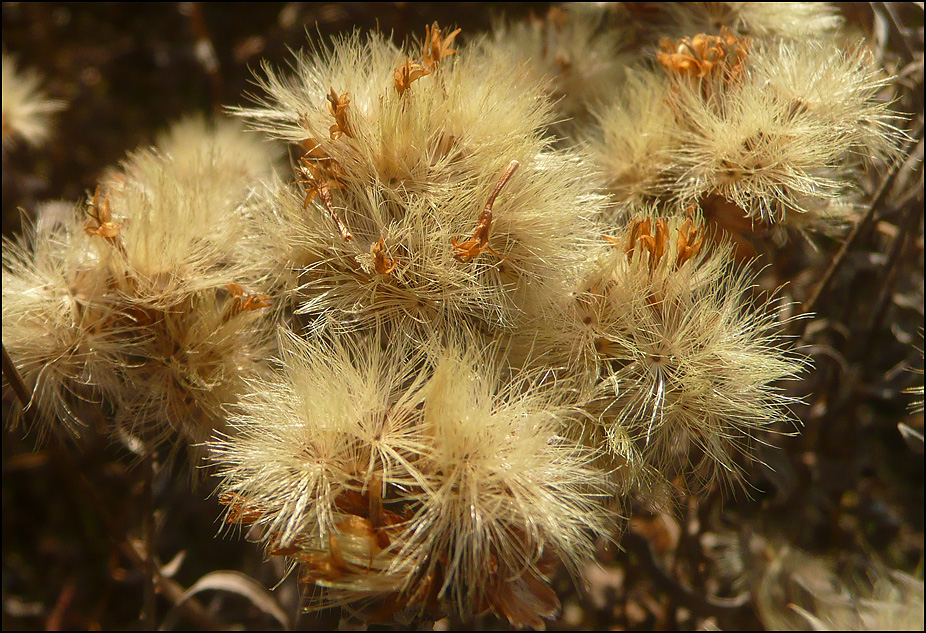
408	73
244	301
239	510
723	56
640	232
317	167
471	248
436	47
383	265
101	218
656	242
101	222
689	242
337	106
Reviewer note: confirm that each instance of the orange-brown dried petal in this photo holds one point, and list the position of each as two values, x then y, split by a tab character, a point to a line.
406	74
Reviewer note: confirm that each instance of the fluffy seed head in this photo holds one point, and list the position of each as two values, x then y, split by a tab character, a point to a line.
406	482
580	61
685	363
26	109
779	130
59	324
151	300
374	230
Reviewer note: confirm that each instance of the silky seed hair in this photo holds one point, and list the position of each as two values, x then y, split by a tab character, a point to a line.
685	363
578	57
632	144
403	479
767	135
389	221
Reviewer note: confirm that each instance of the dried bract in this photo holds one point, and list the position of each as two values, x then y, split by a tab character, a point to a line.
337	107
436	46
407	73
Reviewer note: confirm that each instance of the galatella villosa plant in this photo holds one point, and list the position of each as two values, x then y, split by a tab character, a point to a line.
434	358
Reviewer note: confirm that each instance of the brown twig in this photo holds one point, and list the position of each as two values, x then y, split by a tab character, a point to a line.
860	228
705	606
16	381
904	235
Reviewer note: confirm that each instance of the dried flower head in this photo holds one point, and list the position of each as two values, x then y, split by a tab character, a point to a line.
579	59
685	364
26	109
143	302
773	135
426	171
407	482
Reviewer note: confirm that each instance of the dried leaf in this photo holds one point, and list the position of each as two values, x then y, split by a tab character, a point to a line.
232	582
170	569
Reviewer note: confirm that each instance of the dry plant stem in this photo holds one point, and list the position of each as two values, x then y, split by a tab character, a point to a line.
140	559
859	229
721	608
325	194
903	237
144	562
149	605
844	382
893	23
54	622
16	382
172	590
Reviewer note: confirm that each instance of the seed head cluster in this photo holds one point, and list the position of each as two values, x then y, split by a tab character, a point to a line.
146	298
427	195
431	358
